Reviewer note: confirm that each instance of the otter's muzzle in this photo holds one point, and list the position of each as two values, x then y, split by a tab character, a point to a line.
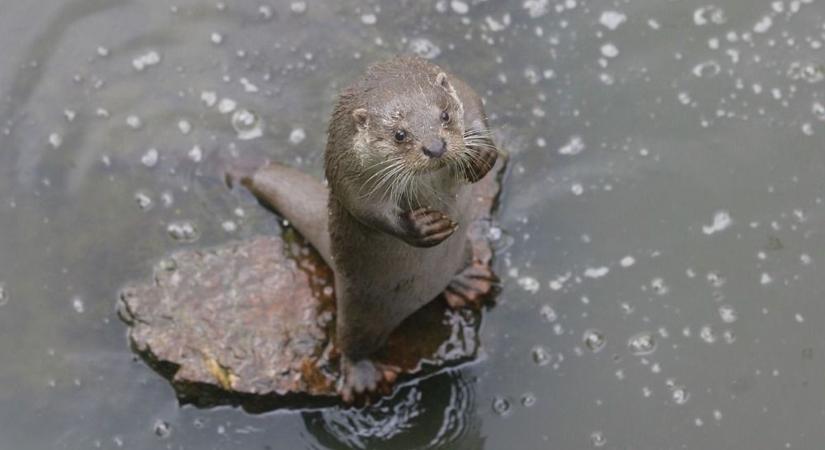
434	147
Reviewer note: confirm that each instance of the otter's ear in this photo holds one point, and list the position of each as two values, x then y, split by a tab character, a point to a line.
359	116
441	80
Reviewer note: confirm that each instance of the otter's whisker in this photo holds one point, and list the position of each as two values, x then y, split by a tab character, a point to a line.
383	175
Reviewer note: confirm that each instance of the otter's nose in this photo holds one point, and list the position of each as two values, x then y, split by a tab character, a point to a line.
434	147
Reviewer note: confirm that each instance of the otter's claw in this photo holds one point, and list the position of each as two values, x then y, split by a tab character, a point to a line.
362	381
426	227
482	161
470	286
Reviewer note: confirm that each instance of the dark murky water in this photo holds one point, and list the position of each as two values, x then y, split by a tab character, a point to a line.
664	284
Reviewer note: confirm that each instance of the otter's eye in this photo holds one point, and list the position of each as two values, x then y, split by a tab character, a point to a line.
445	116
400	135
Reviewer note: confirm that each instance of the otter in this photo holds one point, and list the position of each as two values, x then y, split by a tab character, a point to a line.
404	143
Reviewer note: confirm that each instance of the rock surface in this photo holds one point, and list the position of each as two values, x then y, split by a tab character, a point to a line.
252	322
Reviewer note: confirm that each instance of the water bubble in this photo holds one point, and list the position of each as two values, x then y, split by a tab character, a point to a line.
548	313
143	200
529	284
727	313
195	154
541	356
229	226
55	140
577	189
148	59
573	147
710	13
247	124
706	69
609	50
596	272
721	221
642	344
134	122
183	231
536	8
818	109
210	98
78	305
501	406
528	399
297	135
597	439
184	126
707	334
627	261
763	25
369	19
594	340
150	158
679	394
265	11
424	48
812	73
162	429
216	38
298	7
459	7
167	198
659	287
227	105
715	279
612	19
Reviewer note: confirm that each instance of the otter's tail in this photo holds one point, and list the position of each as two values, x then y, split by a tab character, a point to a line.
299	198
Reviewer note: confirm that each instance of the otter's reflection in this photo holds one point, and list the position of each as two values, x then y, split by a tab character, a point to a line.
435	412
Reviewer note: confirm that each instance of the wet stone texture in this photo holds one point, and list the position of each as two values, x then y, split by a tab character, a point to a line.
252	322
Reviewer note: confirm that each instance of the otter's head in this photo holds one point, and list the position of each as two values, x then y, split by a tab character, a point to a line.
414	126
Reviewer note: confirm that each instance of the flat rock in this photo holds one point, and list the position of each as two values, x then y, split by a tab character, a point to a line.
252	322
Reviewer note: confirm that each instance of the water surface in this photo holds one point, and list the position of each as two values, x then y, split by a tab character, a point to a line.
663	218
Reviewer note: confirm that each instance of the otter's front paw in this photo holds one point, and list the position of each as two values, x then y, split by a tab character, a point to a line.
362	381
470	286
425	227
482	160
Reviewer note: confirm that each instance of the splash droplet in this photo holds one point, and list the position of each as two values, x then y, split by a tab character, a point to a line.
183	231
502	406
597	439
162	429
642	344
594	340
247	124
150	158
541	356
296	136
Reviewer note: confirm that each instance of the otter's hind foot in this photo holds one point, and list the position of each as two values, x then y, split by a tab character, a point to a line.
471	286
364	380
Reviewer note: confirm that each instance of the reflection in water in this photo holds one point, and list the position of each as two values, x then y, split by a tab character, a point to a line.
432	413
